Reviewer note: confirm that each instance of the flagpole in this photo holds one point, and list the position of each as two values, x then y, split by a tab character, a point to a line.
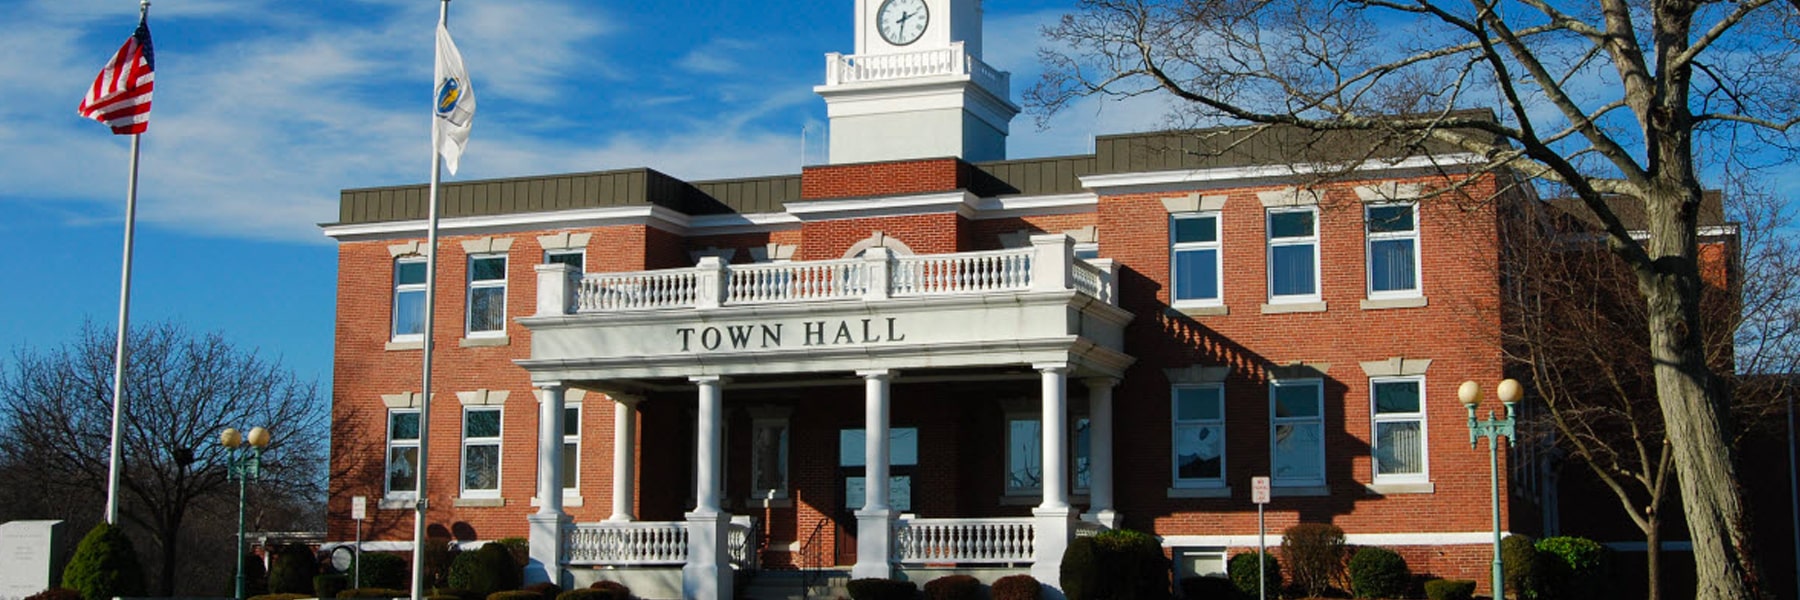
431	256
121	350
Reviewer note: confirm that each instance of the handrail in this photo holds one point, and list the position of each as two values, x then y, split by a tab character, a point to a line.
812	574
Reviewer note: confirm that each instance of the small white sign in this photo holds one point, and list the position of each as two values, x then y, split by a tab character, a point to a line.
1259	490
359	507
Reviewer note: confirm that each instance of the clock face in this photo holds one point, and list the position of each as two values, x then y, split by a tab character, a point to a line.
901	22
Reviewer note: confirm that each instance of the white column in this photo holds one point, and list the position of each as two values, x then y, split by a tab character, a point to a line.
1054	520
549	524
875	521
1100	471
624	473
707	574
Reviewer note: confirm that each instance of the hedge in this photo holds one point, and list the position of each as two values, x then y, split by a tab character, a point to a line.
105	566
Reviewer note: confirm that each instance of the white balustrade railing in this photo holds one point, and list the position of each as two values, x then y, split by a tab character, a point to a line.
633	543
743	534
796	281
965	540
1090	280
967	272
955	60
604	292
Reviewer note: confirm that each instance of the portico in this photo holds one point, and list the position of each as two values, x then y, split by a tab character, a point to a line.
880	318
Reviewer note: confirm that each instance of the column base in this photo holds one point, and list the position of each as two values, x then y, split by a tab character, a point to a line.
874	544
1107	518
547	531
1055	527
708	574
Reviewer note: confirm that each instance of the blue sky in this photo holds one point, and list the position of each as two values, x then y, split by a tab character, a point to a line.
265	110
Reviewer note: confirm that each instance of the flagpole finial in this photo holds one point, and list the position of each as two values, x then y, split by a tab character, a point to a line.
144	7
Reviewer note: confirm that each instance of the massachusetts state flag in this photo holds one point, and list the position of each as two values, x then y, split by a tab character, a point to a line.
120	97
454	112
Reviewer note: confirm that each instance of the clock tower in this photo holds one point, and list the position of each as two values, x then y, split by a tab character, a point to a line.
916	86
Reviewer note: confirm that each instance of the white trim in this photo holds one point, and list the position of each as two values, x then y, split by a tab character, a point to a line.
1176	481
1224	177
1354	539
1421	416
741	223
472	284
1217	246
1318	420
960	202
1418	252
1312	240
655	216
1033	206
497	441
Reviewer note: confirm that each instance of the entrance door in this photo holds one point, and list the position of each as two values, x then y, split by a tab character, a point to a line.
903	460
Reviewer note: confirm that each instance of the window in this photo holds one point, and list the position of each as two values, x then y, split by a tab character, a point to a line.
575	258
1199	429
1298	432
571	458
1393	232
409	298
1025	454
1194	257
1293	255
487	295
1087	251
403	452
1399	421
903	451
481	452
769	458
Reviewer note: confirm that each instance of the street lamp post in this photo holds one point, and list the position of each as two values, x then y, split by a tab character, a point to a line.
243	458
1493	429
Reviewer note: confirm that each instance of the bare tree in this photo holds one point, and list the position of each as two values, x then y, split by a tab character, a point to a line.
1610	98
181	390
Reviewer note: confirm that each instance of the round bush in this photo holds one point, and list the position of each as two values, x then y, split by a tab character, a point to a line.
1522	563
1081	569
383	571
1242	569
487	570
1315	555
1208	588
882	589
56	593
328	586
1016	587
291	570
105	566
1378	573
1574	568
1132	565
953	587
1450	589
614	589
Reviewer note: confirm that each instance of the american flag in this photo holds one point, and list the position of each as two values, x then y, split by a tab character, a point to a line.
120	97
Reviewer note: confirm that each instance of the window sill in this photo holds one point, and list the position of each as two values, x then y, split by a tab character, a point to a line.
397	503
768	502
1276	308
405	345
1201	310
1200	492
486	341
480	502
1389	489
570	500
1386	303
1037	498
1299	491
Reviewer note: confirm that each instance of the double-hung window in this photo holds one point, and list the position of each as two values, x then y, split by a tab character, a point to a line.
1293	254
575	258
1398	409
769	458
1025	453
1194	258
1199	430
409	298
487	295
402	452
1297	432
481	452
571	457
1393	234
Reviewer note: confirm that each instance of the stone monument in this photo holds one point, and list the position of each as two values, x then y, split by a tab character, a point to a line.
28	557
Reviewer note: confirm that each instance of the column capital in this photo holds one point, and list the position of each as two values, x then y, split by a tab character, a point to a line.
631	400
718	379
875	373
1051	367
1100	381
549	386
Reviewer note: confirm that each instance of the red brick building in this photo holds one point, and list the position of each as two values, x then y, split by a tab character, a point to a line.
674	381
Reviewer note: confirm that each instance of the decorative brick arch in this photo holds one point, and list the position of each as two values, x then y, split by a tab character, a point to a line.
878	239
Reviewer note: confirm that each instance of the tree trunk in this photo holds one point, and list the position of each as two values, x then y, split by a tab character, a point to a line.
1653	554
170	533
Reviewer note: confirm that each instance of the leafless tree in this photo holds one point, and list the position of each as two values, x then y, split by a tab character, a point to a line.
1608	98
181	390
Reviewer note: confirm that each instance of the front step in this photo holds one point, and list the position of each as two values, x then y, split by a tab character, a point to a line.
827	584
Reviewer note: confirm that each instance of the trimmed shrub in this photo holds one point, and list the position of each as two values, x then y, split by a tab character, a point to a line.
1315	556
487	570
56	593
882	589
291	570
1208	588
328	586
1242	569
1080	569
516	595
1378	573
455	593
953	587
546	589
1016	587
1574	568
520	549
585	594
1523	564
374	592
381	570
280	596
105	566
614	589
1450	589
1132	565
440	553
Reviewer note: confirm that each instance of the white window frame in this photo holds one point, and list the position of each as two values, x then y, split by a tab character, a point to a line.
1309	240
469	442
1276	421
388	457
1376	418
1176	424
399	288
572	469
580	262
757	425
469	295
1075	457
1371	237
1217	246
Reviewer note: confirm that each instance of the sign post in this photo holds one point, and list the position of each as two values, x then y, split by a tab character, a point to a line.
1259	493
359	510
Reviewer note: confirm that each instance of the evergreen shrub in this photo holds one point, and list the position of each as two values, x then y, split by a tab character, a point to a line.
327	586
1242	569
882	589
1523	564
382	570
291	569
1574	568
487	570
614	589
1378	573
1315	556
953	587
56	593
520	549
1132	565
1450	589
1209	588
1080	569
1016	587
105	566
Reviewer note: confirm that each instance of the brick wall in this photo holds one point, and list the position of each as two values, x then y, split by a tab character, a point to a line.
826	182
